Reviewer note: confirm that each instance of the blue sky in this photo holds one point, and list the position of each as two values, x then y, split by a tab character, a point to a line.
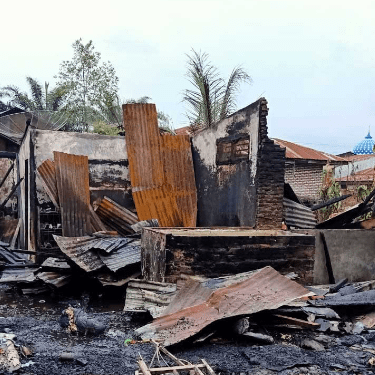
313	61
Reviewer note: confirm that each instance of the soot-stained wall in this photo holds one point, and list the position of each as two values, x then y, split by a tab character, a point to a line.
108	167
239	171
108	162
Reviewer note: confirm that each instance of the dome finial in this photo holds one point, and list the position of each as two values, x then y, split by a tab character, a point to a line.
366	146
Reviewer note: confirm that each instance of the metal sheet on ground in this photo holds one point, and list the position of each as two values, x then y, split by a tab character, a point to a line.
266	289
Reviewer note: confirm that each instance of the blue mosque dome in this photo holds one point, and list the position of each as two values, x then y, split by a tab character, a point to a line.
365	147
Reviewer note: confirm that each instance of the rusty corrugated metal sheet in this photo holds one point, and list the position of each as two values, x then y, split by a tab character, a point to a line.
72	180
179	174
47	174
295	151
297	215
115	216
195	291
266	289
153	161
79	250
18	275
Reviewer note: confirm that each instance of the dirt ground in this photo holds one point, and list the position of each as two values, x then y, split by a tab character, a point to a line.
35	321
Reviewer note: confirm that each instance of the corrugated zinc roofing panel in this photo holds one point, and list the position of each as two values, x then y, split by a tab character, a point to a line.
79	250
266	289
128	253
161	169
72	178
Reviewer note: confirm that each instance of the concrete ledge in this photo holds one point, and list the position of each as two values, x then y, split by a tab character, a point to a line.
352	253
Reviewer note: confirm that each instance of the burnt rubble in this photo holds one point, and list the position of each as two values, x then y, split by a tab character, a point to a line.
239	278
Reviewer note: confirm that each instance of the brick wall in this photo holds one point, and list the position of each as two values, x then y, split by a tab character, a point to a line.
270	177
306	180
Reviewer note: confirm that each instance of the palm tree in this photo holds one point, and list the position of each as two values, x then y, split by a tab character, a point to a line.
40	99
213	99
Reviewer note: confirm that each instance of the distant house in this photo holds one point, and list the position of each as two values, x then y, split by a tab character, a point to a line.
304	168
360	167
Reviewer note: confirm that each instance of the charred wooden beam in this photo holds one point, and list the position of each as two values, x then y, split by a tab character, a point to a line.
329	202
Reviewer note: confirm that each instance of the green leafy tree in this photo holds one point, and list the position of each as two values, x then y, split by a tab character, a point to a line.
92	86
102	127
39	99
212	98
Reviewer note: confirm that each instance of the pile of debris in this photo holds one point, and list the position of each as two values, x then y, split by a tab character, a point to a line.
256	307
100	256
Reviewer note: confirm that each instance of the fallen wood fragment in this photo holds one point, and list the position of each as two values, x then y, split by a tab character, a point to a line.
298	322
9	358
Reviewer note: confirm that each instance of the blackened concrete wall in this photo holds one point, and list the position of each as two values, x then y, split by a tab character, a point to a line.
242	192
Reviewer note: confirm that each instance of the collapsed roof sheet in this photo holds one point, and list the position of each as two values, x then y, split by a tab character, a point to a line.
115	216
298	215
79	250
117	252
265	289
128	253
47	173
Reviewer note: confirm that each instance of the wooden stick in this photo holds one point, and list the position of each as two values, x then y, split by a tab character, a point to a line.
298	322
208	367
142	365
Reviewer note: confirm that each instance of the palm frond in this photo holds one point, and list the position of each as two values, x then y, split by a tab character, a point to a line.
208	87
36	93
17	98
228	104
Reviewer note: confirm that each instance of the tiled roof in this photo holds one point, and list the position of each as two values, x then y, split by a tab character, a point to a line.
361	176
295	151
183	131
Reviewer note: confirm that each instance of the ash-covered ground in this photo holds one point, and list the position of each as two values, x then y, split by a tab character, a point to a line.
35	322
